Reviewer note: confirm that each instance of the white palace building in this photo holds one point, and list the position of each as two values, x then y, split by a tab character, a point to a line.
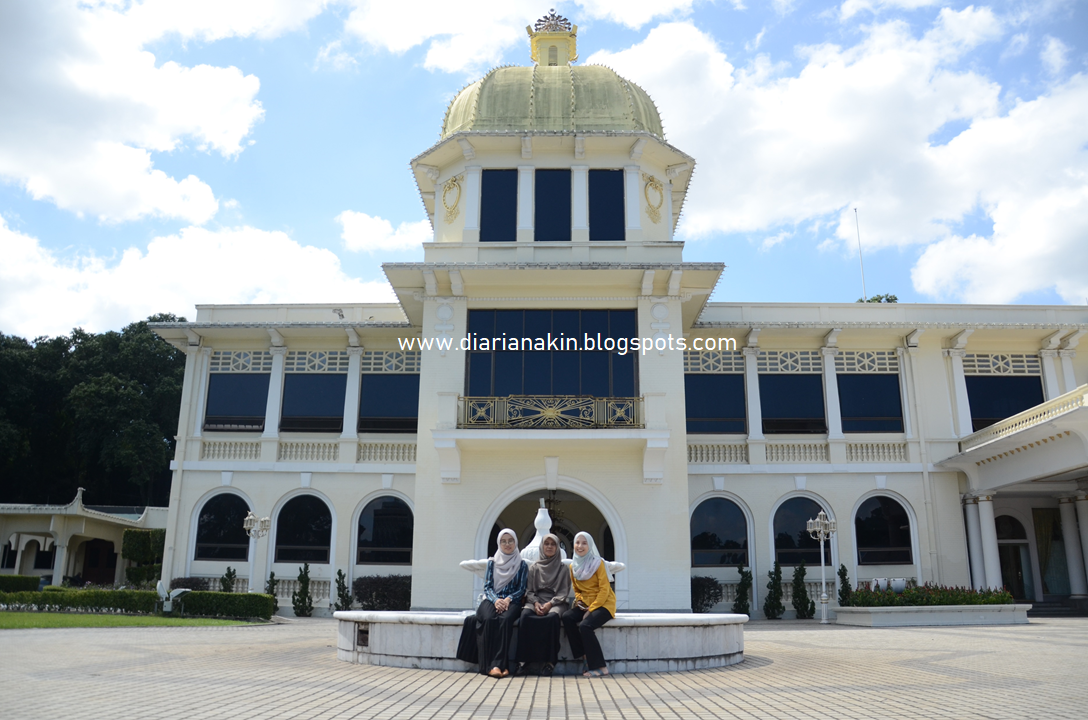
950	442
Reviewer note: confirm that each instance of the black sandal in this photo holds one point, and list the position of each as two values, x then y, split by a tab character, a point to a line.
547	670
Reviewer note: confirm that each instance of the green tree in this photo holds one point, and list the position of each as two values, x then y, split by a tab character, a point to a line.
879	299
772	604
741	605
845	591
301	600
804	606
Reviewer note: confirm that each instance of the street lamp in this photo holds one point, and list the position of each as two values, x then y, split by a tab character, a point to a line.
821	529
255	528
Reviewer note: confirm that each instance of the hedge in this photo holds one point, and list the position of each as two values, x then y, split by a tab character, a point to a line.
18	583
125	601
929	595
191	583
706	592
203	604
143	546
221	604
383	592
144	574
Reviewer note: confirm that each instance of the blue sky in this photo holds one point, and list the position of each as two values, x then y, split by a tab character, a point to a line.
157	155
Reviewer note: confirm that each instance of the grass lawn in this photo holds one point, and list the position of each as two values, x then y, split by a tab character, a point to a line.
23	620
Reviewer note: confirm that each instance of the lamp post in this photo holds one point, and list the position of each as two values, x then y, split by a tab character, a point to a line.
256	528
821	529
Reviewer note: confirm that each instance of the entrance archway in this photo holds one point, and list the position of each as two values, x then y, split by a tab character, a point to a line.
525	499
573	514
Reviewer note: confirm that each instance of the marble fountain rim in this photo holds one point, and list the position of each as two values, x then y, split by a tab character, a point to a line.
622	619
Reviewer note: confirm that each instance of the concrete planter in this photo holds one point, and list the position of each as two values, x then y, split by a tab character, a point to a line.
632	642
930	615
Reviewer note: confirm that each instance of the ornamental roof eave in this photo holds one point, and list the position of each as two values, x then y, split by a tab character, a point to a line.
74	508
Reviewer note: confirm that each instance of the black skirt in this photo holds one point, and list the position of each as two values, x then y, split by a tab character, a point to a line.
467	649
538	637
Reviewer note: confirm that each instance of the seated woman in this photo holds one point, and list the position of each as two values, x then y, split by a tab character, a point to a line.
594	605
546	600
504	588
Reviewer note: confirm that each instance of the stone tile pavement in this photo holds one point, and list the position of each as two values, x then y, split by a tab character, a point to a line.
792	670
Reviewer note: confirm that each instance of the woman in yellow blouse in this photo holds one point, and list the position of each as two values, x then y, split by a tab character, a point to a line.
594	605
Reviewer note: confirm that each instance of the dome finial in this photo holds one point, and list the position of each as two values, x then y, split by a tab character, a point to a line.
553	40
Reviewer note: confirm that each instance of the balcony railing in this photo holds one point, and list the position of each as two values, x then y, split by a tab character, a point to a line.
549	411
1031	417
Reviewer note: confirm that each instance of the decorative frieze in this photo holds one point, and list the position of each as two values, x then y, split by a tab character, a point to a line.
1001	364
391	361
867	361
240	361
789	361
316	361
713	361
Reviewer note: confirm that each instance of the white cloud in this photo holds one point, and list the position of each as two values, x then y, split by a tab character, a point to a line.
852	127
333	55
1054	54
850	8
458	40
42	293
85	106
364	233
770	242
1018	43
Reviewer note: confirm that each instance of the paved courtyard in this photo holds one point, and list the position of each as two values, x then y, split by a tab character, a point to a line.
792	670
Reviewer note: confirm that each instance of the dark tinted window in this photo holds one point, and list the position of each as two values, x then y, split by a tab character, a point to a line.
10	556
715	403
43	559
719	534
389	402
304	531
606	211
994	398
385	533
1009	528
499	206
552	215
236	401
313	401
883	532
870	403
219	531
792	543
792	403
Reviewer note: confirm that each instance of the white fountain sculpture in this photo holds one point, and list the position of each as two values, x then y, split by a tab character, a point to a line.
531	552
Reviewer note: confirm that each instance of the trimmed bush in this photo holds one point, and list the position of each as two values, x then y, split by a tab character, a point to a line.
772	604
124	601
226	583
143	575
805	607
191	583
301	600
929	595
383	592
343	595
741	605
844	587
270	589
231	605
706	592
143	546
18	583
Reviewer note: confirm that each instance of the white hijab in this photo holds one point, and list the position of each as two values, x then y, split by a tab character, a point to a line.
584	566
506	566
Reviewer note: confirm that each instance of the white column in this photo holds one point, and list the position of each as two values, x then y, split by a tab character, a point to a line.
579	202
525	203
974	543
275	394
1068	375
634	208
351	394
1050	374
258	568
988	529
472	204
1074	558
668	207
831	394
60	561
751	383
202	374
1082	517
908	431
959	386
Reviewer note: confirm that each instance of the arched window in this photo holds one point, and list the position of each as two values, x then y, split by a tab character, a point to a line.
719	534
304	531
1009	528
385	533
883	532
792	543
219	531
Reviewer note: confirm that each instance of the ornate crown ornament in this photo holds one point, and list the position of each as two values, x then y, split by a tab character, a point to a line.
552	23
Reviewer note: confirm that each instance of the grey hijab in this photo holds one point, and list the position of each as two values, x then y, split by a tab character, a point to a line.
549	574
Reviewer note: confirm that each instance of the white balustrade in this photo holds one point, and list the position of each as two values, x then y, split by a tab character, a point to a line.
319	591
309	451
230	450
386	453
876	452
796	452
724	453
1029	418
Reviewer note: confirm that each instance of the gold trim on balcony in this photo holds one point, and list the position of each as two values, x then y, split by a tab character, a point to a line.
549	411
